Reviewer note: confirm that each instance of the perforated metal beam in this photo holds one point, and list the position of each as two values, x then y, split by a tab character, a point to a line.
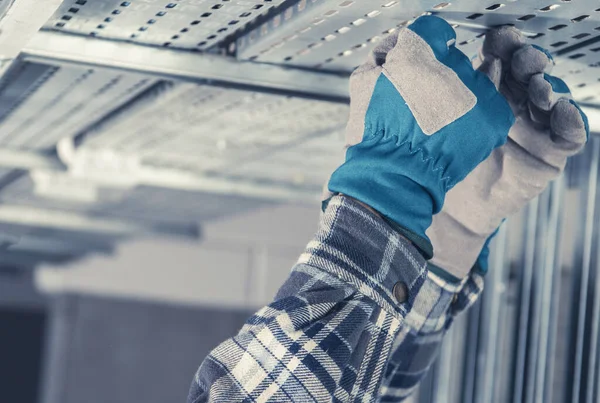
181	180
56	48
68	221
20	20
64	49
29	160
163	178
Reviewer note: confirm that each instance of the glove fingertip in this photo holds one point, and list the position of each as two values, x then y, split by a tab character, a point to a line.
586	122
503	42
546	52
558	85
570	122
541	92
530	60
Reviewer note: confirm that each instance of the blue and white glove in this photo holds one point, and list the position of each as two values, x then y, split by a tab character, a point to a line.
421	118
549	128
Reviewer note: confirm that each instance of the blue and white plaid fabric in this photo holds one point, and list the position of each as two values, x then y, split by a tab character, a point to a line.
335	332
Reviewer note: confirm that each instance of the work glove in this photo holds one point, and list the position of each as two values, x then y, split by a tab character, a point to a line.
421	118
549	128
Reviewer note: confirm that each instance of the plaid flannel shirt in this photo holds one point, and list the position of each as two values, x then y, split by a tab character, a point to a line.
335	331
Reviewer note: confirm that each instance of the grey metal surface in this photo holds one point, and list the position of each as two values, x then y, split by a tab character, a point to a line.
20	20
585	271
28	160
229	133
42	104
337	35
525	291
533	336
70	50
186	24
178	212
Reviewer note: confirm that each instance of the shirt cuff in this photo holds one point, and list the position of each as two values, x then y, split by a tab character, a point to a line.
362	249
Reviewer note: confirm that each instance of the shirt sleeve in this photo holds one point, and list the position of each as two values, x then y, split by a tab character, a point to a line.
359	319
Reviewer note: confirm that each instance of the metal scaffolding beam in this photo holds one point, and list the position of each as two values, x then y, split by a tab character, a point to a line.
170	64
162	178
74	222
29	160
20	22
57	48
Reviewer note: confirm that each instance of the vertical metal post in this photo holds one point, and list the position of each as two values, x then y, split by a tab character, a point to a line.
585	269
550	266
597	380
561	189
427	386
595	330
526	281
458	357
470	369
534	321
445	367
491	317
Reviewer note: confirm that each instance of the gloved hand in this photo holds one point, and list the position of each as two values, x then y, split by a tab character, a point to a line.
421	118
549	128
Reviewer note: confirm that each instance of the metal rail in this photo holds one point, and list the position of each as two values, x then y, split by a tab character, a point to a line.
169	64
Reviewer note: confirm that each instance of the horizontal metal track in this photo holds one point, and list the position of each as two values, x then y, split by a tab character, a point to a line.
22	20
64	49
56	48
29	160
167	179
74	222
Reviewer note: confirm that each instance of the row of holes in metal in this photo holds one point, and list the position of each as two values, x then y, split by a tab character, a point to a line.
375	13
375	39
74	10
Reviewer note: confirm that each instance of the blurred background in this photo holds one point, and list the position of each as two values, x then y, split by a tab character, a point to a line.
160	171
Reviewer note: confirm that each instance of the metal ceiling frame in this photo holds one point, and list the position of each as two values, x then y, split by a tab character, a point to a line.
171	64
67	51
69	221
29	160
22	21
161	177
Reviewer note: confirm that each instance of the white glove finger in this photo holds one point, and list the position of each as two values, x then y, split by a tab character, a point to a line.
502	43
545	91
569	126
528	61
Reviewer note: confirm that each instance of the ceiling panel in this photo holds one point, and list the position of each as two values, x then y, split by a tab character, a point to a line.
186	24
227	132
337	35
40	104
169	210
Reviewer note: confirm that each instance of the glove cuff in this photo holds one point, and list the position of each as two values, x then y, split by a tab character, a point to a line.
380	178
457	248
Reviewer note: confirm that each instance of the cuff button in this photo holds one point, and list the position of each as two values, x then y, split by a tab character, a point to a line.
400	292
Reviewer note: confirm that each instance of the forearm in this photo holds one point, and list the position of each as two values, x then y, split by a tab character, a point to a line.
360	296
